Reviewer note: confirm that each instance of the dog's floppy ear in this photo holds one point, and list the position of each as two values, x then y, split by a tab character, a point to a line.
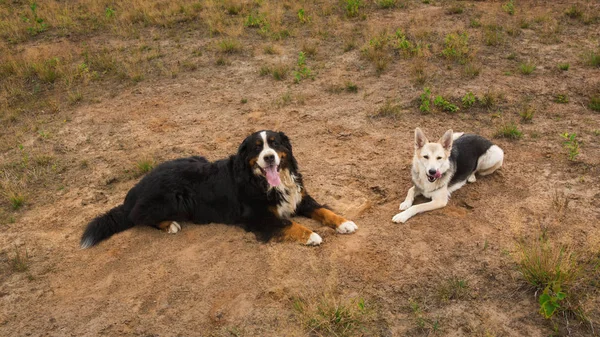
420	139
446	140
285	141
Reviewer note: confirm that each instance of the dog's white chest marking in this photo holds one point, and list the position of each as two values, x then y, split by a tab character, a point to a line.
291	192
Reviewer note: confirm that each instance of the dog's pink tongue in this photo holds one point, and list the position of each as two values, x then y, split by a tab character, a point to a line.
272	176
437	175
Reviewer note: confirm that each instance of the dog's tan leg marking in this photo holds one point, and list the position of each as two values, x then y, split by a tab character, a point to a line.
328	218
170	227
298	233
438	200
410	197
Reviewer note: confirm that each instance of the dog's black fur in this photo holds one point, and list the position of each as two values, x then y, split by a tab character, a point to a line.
196	190
466	151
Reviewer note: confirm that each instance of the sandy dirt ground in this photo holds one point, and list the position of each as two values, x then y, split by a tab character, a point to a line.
218	280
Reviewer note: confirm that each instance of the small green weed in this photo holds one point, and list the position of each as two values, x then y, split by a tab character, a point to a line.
244	100
144	166
302	17
509	7
17	200
386	4
109	12
454	288
527	114
493	35
456	47
37	24
594	103
474	23
510	131
270	50
389	109
425	99
351	87
329	316
550	300
302	70
229	46
468	100
527	68
592	58
542	265
563	66
352	7
279	71
455	9
20	263
574	12
561	98
440	102
571	144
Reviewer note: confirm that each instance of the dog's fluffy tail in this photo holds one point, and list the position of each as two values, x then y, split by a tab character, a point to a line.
104	226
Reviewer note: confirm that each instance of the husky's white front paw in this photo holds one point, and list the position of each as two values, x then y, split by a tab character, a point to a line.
472	178
401	217
174	227
314	240
405	205
347	227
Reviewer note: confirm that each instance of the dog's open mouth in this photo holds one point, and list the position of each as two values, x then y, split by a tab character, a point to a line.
434	177
272	174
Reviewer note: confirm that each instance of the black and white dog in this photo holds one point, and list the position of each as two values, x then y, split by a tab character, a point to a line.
259	188
445	166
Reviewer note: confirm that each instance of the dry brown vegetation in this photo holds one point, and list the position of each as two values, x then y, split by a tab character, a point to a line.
94	93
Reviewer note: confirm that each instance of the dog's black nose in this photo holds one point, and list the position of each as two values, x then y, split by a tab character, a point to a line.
269	158
432	172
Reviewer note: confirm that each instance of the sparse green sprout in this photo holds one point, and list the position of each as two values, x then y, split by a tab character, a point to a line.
509	7
510	131
594	103
329	316
527	114
455	9
351	87
468	99
425	98
109	12
20	263
561	98
574	12
37	23
527	68
352	7
563	66
17	200
592	59
456	47
279	72
440	102
571	144
389	109
387	3
474	23
144	166
302	71
229	46
244	100
302	17
550	300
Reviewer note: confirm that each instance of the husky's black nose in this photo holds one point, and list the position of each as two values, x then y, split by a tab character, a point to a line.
269	158
432	172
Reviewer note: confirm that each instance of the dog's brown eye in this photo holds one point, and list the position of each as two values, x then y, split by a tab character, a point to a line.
438	158
426	157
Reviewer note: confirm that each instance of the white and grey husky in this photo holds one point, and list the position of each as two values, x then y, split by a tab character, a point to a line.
445	166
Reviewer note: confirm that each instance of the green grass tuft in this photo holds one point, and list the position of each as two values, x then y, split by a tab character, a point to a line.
510	131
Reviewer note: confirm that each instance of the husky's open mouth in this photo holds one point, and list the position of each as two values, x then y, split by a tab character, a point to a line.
431	178
272	174
434	177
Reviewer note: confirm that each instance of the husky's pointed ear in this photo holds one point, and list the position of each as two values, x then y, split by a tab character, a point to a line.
446	140
420	139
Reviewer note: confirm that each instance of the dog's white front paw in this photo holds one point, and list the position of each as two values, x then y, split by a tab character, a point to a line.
405	205
314	240
401	217
472	178
174	227
347	227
